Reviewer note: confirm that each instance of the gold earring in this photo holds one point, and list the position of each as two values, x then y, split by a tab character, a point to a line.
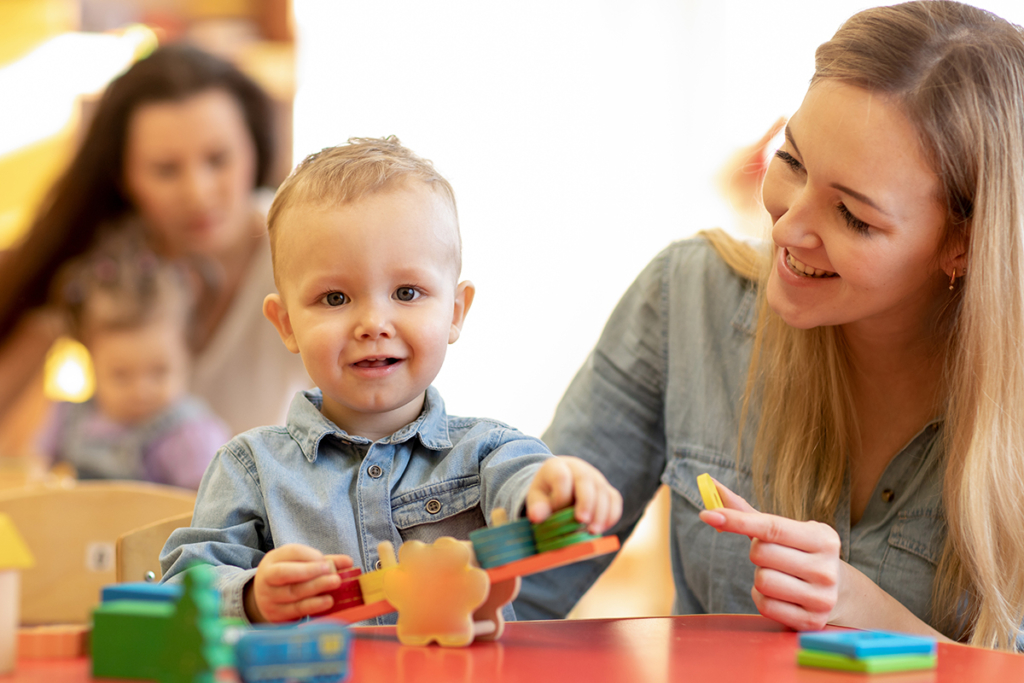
952	280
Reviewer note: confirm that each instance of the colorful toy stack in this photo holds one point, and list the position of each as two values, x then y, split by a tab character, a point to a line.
866	651
348	594
560	530
503	543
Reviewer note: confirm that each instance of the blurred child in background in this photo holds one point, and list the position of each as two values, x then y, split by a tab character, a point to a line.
132	311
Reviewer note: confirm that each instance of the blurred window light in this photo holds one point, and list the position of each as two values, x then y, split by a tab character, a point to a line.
68	373
45	83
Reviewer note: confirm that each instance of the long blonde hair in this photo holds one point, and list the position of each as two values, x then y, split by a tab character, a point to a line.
957	72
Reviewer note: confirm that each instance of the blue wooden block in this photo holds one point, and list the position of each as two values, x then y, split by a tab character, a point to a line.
140	590
861	644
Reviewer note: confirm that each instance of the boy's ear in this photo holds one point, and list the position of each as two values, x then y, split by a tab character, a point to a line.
277	314
464	293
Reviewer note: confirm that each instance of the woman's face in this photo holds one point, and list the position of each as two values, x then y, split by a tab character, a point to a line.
856	217
189	169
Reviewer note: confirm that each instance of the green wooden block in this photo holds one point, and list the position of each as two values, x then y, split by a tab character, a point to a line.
869	665
128	637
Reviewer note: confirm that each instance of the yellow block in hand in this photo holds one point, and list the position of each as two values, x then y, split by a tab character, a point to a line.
709	492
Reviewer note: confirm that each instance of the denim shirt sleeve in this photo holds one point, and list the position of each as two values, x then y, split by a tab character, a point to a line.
612	416
229	528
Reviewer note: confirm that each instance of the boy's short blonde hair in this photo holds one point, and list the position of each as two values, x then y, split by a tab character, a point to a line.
346	173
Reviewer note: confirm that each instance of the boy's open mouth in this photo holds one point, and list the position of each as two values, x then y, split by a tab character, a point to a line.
375	362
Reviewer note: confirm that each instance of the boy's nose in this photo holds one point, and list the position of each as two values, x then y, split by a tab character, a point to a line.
373	324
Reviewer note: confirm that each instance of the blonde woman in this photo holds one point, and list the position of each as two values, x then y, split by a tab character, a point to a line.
861	380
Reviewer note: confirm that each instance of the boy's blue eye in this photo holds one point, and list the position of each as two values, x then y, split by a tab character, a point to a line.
406	293
335	299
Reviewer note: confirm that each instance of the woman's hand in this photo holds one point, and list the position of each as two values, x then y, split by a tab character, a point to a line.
798	575
290	582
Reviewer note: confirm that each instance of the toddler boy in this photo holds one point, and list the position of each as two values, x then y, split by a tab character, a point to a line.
367	255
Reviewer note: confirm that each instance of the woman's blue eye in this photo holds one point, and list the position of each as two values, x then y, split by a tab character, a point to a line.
335	299
406	293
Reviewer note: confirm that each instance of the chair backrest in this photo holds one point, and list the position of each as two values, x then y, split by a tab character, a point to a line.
138	550
72	532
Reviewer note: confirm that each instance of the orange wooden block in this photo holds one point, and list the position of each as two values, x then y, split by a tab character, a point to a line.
62	641
554	558
354	614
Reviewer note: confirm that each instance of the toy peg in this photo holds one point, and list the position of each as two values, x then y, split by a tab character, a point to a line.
386	553
499	517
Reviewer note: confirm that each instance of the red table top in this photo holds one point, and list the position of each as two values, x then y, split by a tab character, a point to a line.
705	649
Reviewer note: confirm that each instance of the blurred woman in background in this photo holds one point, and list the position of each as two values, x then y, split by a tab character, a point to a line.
180	148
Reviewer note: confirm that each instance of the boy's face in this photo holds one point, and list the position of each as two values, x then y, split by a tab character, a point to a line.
139	372
369	299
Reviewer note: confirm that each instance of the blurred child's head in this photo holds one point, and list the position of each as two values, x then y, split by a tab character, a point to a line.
366	250
132	311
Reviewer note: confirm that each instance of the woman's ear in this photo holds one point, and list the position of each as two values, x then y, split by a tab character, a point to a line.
274	310
464	293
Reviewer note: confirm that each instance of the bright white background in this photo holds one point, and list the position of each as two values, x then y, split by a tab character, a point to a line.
581	137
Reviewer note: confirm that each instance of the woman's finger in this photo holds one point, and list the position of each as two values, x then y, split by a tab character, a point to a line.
810	537
787	613
787	588
815	568
732	500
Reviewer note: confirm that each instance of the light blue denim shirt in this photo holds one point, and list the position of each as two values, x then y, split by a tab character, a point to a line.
658	402
309	482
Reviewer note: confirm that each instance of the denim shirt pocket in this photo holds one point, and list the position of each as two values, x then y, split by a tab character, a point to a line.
715	566
911	558
448	508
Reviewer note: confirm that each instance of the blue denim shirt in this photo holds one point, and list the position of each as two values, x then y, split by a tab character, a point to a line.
309	482
658	402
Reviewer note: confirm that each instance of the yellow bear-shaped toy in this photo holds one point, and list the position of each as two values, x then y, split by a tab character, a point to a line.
436	590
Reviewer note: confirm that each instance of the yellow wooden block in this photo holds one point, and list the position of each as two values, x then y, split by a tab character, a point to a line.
14	554
709	492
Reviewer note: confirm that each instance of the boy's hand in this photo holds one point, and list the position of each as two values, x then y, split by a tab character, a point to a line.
563	480
290	582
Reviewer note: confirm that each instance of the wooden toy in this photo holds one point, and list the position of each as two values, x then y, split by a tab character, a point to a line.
348	594
194	649
709	492
14	557
60	641
435	590
866	651
128	638
503	541
869	665
317	652
862	644
141	590
503	584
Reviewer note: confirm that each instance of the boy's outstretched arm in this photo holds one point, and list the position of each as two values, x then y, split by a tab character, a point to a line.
290	582
564	480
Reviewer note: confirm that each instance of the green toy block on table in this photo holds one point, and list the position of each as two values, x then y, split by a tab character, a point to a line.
128	637
195	646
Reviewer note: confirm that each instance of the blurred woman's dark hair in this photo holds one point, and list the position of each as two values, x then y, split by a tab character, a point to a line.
90	194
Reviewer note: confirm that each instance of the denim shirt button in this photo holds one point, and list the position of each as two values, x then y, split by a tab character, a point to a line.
375	471
377	565
433	506
888	495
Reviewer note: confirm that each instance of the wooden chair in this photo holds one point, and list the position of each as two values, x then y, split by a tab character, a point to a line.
138	550
72	532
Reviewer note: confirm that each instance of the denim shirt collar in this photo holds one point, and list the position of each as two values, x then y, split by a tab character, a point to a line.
308	426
